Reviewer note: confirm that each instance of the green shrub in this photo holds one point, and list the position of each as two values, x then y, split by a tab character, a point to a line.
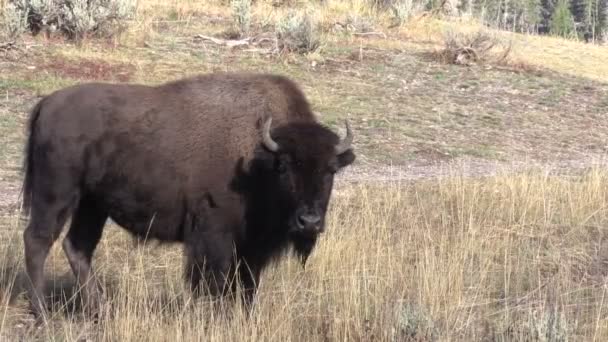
562	21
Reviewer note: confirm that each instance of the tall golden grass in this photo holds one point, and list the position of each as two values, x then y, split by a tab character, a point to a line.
510	258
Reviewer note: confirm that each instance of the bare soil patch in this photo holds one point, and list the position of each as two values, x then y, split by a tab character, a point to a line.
90	69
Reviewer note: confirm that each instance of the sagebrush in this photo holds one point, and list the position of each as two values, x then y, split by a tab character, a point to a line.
241	14
403	10
74	19
298	32
13	22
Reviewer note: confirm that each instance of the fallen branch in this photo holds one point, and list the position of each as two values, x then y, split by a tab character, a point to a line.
264	39
381	34
250	41
227	42
260	51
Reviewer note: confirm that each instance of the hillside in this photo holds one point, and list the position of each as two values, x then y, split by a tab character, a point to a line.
406	106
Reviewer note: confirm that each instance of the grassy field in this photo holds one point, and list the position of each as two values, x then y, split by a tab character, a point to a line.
508	258
430	254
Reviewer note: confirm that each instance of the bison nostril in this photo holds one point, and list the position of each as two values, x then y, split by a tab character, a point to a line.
300	222
308	220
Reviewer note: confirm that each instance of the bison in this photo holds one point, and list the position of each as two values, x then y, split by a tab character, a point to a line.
234	166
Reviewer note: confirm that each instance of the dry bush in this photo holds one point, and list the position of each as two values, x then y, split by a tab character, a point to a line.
298	31
464	48
504	258
358	23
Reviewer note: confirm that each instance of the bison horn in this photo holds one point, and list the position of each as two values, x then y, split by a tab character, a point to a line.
344	145
267	139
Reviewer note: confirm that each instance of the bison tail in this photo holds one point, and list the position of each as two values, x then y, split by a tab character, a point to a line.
29	157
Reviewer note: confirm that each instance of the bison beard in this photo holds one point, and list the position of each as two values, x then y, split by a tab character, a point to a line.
234	166
303	246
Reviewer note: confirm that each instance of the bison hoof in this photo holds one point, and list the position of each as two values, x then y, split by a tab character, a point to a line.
93	308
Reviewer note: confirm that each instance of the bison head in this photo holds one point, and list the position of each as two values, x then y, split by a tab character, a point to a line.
302	159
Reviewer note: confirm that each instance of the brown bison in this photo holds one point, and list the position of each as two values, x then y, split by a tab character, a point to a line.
234	166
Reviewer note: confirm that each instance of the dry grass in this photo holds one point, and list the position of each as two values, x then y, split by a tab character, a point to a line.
512	257
565	56
560	55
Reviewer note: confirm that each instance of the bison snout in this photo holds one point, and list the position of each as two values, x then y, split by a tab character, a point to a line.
308	221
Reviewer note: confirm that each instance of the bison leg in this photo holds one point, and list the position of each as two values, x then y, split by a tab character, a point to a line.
195	273
47	220
213	269
79	245
209	252
250	278
210	259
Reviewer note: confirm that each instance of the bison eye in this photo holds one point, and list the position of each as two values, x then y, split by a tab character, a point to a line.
281	167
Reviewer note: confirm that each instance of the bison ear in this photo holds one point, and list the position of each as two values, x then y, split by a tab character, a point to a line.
346	158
